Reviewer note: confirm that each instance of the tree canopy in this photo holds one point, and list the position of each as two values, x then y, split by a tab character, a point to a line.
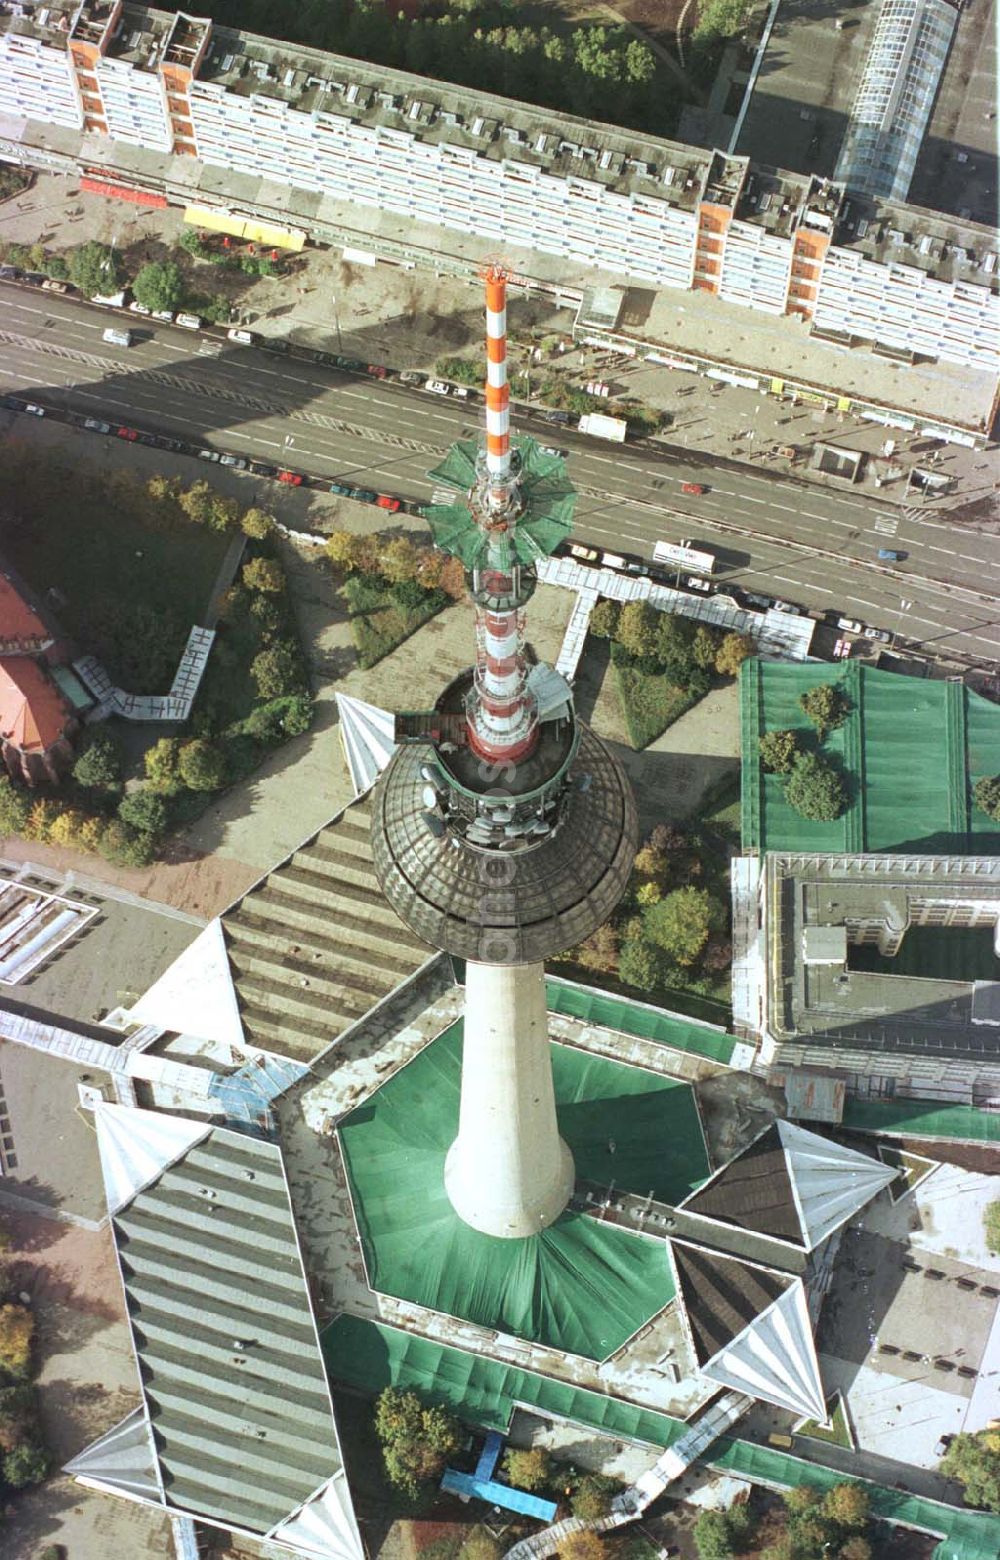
986	795
974	1460
417	1439
159	285
95	268
825	706
680	923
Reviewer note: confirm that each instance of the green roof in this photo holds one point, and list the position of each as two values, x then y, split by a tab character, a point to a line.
370	1356
911	750
637	1018
580	1285
922	1119
549	501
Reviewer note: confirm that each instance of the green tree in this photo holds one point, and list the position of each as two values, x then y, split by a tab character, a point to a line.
825	706
201	765
733	651
95	268
529	1469
638	629
680	924
856	1547
480	1545
15	806
815	789
705	647
278	670
583	1545
417	1440
713	1537
161	765
264	574
778	751
674	643
974	1460
640	964
600	950
144	810
26	1464
986	794
991	1222
99	765
123	846
17	1328
17	1414
848	1506
398	561
159	285
592	1496
204	506
605	618
257	524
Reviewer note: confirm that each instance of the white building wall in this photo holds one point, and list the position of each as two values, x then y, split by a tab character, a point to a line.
756	266
904	308
37	81
135	105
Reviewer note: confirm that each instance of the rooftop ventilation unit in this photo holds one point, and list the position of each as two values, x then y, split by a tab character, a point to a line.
542	142
450	118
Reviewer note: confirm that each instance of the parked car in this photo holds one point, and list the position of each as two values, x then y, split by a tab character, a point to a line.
583	554
461	392
34	409
96	426
52	285
9	273
553	449
408	377
365	495
165	443
351	365
384	501
208	455
377	370
878	634
245	337
783	606
262	468
233	460
188	321
128	433
138	308
890	555
850	625
34	278
343	488
165	315
291	478
561	419
437	387
696	582
693	487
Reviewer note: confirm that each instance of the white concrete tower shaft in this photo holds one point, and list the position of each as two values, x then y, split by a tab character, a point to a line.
508	1172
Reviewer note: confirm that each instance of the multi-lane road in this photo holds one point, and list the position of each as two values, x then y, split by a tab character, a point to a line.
786	538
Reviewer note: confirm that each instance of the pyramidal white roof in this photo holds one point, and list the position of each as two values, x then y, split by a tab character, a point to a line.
774	1358
195	994
123	1460
829	1182
136	1146
367	735
324	1525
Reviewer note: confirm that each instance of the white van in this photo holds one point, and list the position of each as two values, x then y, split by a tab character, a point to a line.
117	337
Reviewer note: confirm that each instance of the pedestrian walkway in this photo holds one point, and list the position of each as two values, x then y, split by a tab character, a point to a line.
174	706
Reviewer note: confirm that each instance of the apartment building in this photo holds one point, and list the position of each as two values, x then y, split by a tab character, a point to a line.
858	269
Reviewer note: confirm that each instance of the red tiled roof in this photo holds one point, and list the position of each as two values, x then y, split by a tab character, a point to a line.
33	713
19	623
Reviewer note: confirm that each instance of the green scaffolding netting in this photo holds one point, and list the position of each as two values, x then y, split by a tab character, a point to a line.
580	1285
549	500
635	1018
370	1356
922	1119
911	751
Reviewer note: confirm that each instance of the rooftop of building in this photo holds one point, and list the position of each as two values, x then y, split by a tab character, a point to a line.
34	716
19	622
927	998
503	129
919	745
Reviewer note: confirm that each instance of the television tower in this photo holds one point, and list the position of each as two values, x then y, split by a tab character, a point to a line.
503	830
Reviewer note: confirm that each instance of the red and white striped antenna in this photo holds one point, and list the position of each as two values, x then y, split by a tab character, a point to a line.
498	462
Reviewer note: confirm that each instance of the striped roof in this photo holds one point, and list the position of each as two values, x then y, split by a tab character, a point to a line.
234	1384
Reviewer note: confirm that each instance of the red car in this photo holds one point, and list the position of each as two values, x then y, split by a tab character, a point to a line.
376	370
692	487
127	433
291	477
385	502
